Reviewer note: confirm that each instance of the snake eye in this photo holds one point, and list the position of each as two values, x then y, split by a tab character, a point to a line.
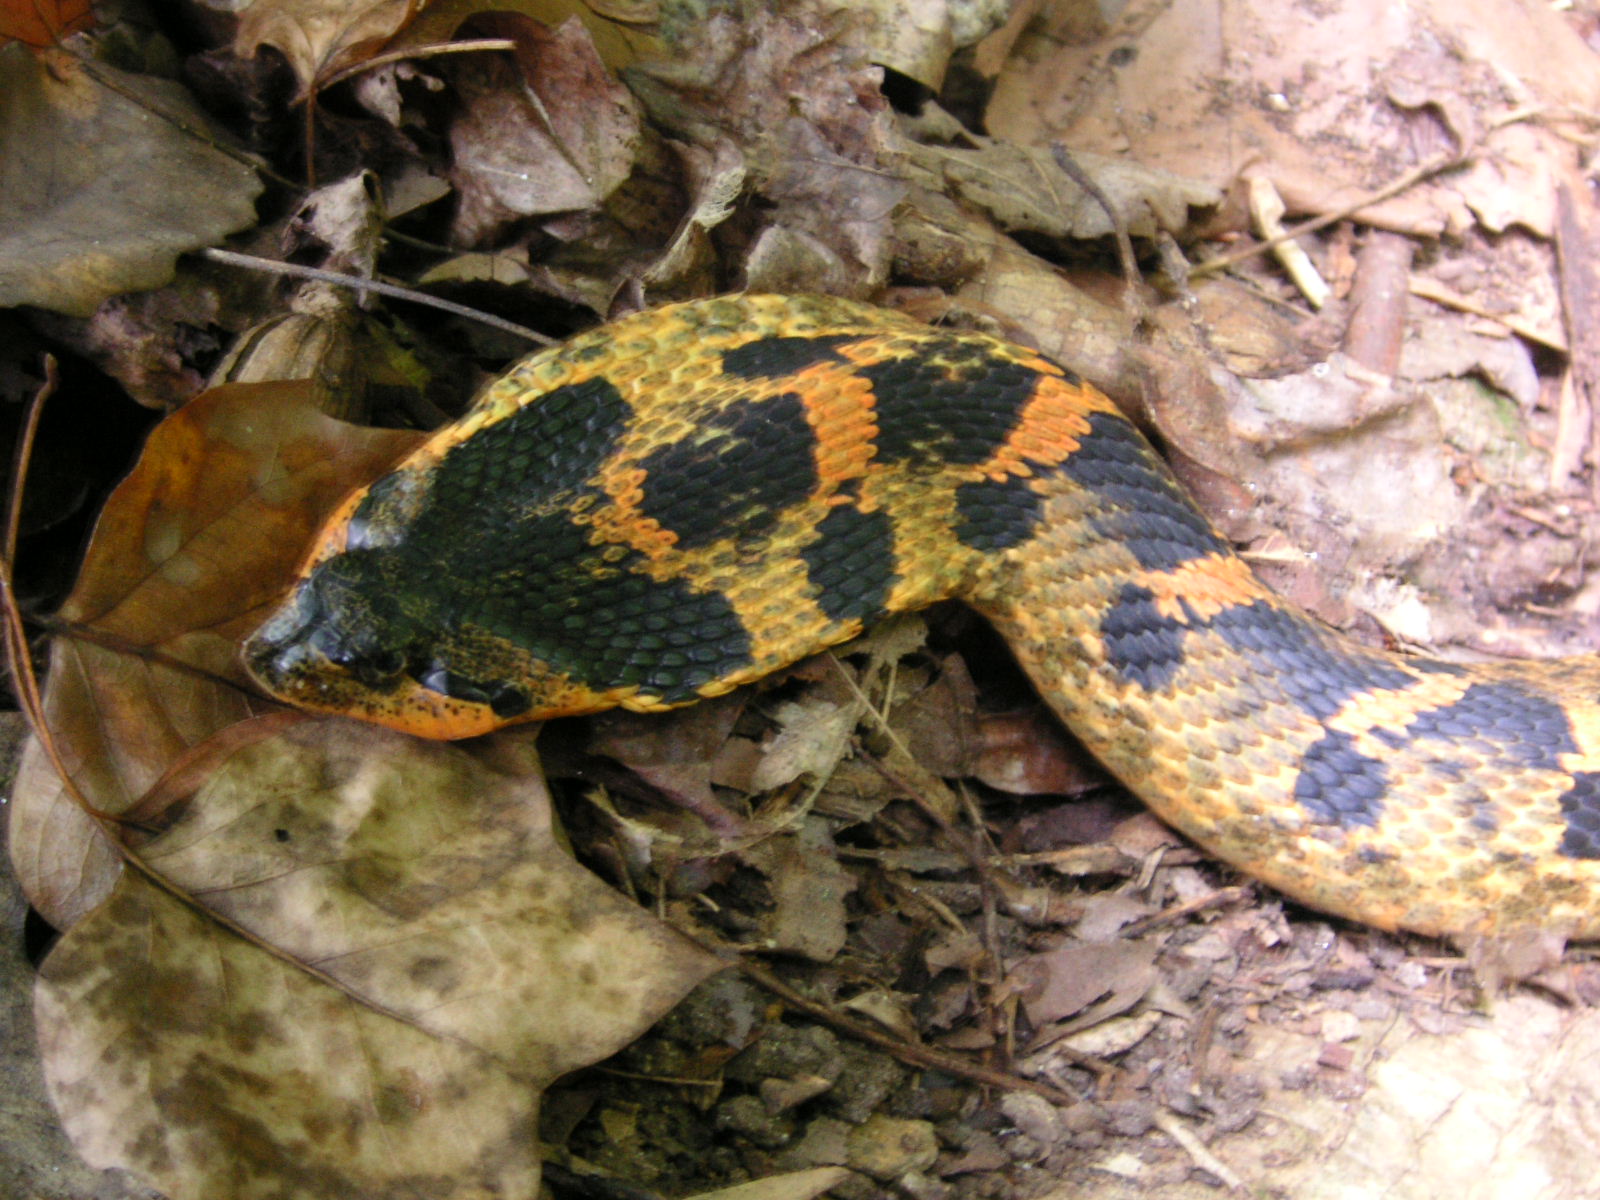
371	668
380	668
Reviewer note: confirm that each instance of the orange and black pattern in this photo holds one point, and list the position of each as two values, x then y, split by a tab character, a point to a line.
685	500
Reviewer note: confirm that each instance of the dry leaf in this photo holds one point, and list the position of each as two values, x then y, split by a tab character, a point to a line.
813	734
320	36
717	177
1024	190
549	132
1330	103
456	960
188	554
808	888
320	336
99	194
622	30
913	37
801	102
41	23
1062	983
1028	754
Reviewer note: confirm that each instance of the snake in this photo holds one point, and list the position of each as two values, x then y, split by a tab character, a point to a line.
687	499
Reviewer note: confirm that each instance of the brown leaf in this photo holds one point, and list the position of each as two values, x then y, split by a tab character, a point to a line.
1024	190
455	958
802	105
621	29
320	36
716	177
1028	754
917	37
552	132
101	189
809	887
43	23
458	960
1415	84
1063	982
190	550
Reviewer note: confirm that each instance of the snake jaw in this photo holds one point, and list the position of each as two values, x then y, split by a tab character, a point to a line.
341	642
302	661
337	638
307	662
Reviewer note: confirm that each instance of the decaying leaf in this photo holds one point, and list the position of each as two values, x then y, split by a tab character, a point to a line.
800	98
1024	190
813	735
795	1185
41	23
551	131
1067	981
189	552
808	890
917	37
718	177
320	36
1329	104
321	337
1027	754
623	31
100	192
423	957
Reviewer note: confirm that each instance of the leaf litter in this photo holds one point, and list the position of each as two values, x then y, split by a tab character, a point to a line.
84	219
369	958
422	958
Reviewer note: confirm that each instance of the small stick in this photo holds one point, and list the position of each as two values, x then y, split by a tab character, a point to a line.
271	266
1433	166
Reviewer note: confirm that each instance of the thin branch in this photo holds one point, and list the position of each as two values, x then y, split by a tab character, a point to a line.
907	1052
1411	178
433	50
273	267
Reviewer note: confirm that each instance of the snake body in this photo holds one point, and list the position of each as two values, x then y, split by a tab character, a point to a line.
685	500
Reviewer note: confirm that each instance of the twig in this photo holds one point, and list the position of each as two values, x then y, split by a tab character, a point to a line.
1196	1149
1416	175
432	50
907	1052
23	454
271	266
1432	289
1214	899
1119	227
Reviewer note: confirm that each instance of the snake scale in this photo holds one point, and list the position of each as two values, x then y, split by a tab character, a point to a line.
687	499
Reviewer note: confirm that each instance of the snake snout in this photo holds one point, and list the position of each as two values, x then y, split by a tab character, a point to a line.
323	632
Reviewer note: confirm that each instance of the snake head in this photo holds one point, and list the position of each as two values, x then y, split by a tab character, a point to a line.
351	638
335	644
